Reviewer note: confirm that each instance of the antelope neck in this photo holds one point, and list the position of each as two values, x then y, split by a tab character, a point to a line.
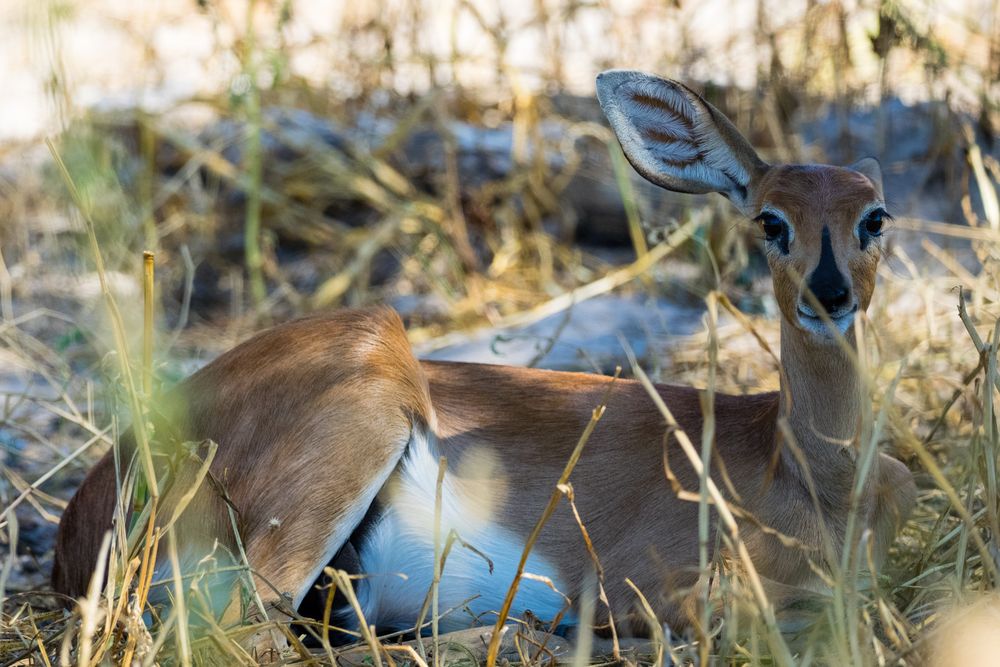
821	397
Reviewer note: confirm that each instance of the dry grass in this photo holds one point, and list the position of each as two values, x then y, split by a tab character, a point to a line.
284	215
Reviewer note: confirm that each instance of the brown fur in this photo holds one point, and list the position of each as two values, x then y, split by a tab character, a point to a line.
814	196
304	454
311	416
300	413
639	528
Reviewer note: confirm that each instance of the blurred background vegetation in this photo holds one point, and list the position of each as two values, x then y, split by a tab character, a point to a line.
449	158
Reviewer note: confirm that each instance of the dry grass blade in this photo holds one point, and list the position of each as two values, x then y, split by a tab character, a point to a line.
410	652
622	174
118	327
598	412
946	229
180	603
250	580
333	288
90	607
438	561
991	206
777	643
184	499
585	636
655	628
43	653
342	580
99	437
148	284
8	563
707	400
567	490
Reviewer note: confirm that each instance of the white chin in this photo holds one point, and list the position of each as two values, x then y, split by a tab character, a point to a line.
821	329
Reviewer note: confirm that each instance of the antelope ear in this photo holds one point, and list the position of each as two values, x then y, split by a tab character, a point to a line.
676	139
871	168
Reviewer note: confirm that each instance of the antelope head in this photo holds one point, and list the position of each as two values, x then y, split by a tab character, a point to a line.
822	225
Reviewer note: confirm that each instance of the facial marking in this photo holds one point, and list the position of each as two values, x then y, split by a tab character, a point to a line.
832	256
827	274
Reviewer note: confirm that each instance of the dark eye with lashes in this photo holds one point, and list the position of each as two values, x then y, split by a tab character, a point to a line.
871	225
775	230
873	222
772	225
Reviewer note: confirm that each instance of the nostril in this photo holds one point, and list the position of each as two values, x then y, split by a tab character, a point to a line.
833	299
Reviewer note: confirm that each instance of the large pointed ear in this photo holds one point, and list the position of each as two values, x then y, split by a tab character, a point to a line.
676	139
871	168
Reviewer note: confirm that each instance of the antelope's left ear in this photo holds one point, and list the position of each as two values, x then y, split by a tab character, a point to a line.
676	139
871	168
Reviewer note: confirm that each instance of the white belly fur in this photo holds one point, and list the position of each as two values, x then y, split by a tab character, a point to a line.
402	542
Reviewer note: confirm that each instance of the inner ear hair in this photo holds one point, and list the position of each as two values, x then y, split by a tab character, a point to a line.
676	139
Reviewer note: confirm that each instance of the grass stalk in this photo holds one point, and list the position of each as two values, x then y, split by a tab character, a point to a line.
117	325
253	164
438	564
180	603
567	490
494	645
148	284
782	655
655	628
343	583
622	175
707	398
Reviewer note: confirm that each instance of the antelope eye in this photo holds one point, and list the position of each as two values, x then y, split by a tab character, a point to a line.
872	223
772	225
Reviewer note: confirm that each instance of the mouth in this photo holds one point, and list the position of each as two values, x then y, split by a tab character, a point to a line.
814	324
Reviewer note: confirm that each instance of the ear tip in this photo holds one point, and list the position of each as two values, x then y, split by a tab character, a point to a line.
871	168
612	74
866	164
610	81
612	78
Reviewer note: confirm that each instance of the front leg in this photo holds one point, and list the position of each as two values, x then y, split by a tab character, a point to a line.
895	497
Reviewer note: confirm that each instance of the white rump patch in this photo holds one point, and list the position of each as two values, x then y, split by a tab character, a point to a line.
402	543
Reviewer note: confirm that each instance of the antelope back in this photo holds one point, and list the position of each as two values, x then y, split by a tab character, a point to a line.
310	418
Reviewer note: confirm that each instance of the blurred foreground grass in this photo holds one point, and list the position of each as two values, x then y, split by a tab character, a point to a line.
468	200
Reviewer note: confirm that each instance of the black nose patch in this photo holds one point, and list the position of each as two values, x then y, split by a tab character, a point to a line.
827	283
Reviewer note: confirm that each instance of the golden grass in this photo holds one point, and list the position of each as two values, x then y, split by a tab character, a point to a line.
931	357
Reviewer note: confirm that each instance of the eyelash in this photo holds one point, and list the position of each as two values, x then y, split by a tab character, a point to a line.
778	232
876	218
776	224
872	226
